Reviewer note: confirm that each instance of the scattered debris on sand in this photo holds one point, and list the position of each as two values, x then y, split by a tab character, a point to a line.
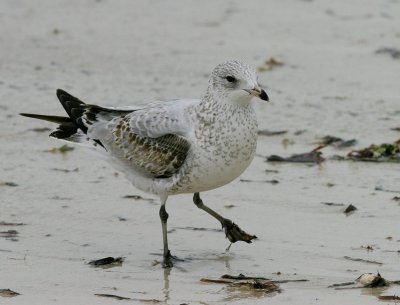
371	280
40	129
363	260
333	204
377	153
56	197
61	150
266	286
309	157
138	197
269	133
365	280
5	223
11	184
350	208
270	64
300	132
243	277
336	142
368	247
250	284
274	181
341	284
10	234
65	170
229	206
263	285
198	229
111	296
8	293
374	153
382	189
347	143
393	52
117	297
389	298
107	262
271	171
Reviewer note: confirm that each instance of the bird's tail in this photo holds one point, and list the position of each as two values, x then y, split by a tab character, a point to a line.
69	126
65	129
80	117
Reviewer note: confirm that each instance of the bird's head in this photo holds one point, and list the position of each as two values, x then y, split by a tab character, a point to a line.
235	82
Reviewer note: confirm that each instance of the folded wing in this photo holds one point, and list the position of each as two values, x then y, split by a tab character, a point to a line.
159	157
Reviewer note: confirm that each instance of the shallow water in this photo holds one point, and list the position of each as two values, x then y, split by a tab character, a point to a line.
332	82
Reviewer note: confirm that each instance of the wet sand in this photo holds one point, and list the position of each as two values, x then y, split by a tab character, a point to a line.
118	53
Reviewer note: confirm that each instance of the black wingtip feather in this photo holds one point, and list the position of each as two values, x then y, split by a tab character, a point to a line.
49	118
68	126
64	131
74	107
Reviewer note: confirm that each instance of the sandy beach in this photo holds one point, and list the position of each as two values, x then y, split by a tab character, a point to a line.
335	76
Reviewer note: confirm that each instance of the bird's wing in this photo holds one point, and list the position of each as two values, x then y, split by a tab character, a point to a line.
161	118
154	139
151	139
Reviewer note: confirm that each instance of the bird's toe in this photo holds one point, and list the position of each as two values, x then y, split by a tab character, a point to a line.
234	233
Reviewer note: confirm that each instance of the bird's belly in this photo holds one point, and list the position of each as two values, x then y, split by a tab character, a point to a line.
221	172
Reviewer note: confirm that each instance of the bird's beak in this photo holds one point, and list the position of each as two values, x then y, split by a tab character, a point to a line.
258	92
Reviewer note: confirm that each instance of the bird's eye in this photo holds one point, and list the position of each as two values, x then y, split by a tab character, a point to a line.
230	79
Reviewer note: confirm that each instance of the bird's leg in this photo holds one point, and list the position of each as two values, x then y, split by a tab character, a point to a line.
167	262
232	231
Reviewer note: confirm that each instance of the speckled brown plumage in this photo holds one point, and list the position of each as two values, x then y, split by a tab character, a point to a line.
159	157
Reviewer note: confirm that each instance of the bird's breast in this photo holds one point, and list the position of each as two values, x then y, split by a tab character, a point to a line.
224	148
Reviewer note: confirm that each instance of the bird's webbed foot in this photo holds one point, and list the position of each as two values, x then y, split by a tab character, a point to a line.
167	260
234	233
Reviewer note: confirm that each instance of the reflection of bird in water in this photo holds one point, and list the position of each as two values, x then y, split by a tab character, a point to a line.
167	272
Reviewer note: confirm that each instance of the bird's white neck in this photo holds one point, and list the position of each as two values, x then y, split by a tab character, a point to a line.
237	98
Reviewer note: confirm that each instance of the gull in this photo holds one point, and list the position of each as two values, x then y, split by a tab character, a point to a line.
177	146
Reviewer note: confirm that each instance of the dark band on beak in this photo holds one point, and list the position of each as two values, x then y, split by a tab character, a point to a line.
263	95
258	92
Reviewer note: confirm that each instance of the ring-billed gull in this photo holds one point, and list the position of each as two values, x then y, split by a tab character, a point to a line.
178	146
